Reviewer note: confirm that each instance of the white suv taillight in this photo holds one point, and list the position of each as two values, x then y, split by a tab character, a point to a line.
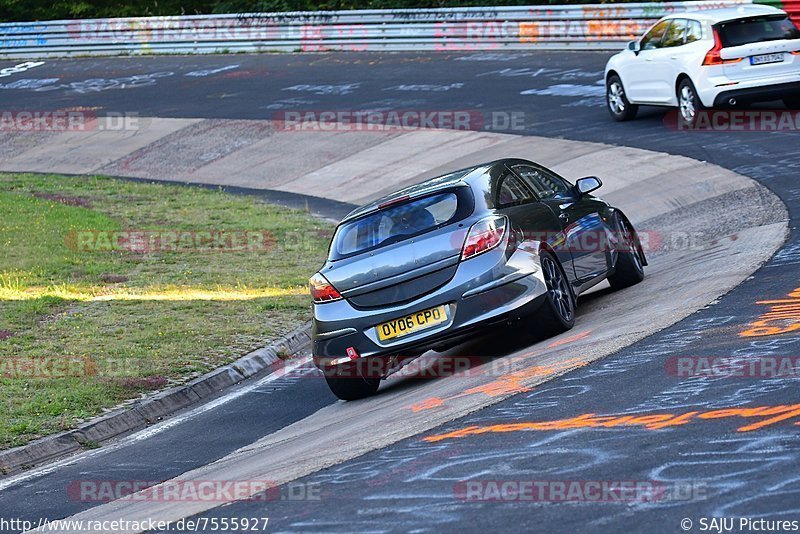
713	56
322	290
484	235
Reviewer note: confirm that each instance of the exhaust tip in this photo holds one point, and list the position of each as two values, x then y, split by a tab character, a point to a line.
732	101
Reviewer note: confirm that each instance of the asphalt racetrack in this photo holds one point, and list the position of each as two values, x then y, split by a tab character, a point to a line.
624	418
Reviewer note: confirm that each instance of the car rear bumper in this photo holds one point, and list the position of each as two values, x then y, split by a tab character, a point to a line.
498	292
763	93
715	88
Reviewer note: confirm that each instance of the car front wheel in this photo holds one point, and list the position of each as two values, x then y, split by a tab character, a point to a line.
618	105
557	312
629	269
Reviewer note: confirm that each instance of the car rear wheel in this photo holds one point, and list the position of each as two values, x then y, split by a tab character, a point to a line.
618	105
792	102
689	104
352	387
557	312
629	269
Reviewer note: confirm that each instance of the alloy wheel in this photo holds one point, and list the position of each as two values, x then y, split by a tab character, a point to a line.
558	289
616	98
687	99
630	244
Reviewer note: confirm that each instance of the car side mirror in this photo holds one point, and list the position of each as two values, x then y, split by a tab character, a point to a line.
634	47
588	184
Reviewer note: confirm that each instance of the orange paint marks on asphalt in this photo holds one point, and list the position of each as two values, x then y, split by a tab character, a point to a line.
427	404
515	382
782	317
568	340
770	415
506	384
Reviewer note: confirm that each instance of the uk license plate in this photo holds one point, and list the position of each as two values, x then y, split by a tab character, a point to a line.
766	58
404	326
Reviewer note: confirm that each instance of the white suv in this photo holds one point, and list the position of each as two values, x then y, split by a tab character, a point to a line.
713	58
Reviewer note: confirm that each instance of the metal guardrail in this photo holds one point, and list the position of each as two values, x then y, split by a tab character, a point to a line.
604	26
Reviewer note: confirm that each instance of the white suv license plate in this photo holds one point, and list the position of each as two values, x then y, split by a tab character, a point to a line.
766	58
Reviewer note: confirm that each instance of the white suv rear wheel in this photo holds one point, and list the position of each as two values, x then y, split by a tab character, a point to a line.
689	103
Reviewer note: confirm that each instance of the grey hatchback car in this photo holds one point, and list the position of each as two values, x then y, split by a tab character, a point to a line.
430	265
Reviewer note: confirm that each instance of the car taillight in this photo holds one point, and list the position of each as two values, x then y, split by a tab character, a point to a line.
322	290
484	235
713	56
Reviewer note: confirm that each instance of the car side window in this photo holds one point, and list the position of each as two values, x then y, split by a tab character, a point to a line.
675	34
546	184
512	192
652	39
694	31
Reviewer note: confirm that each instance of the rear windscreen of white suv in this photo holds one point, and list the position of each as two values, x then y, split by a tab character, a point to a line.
755	30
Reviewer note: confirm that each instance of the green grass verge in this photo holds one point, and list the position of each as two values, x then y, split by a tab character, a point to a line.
84	326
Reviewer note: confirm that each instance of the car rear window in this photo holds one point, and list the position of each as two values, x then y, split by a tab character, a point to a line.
756	30
395	223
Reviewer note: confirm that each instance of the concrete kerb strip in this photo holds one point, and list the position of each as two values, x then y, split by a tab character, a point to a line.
153	408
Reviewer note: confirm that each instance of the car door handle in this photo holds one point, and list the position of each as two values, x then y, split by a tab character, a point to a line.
674	57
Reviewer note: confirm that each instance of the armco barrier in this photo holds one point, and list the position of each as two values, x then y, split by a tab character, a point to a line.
605	26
